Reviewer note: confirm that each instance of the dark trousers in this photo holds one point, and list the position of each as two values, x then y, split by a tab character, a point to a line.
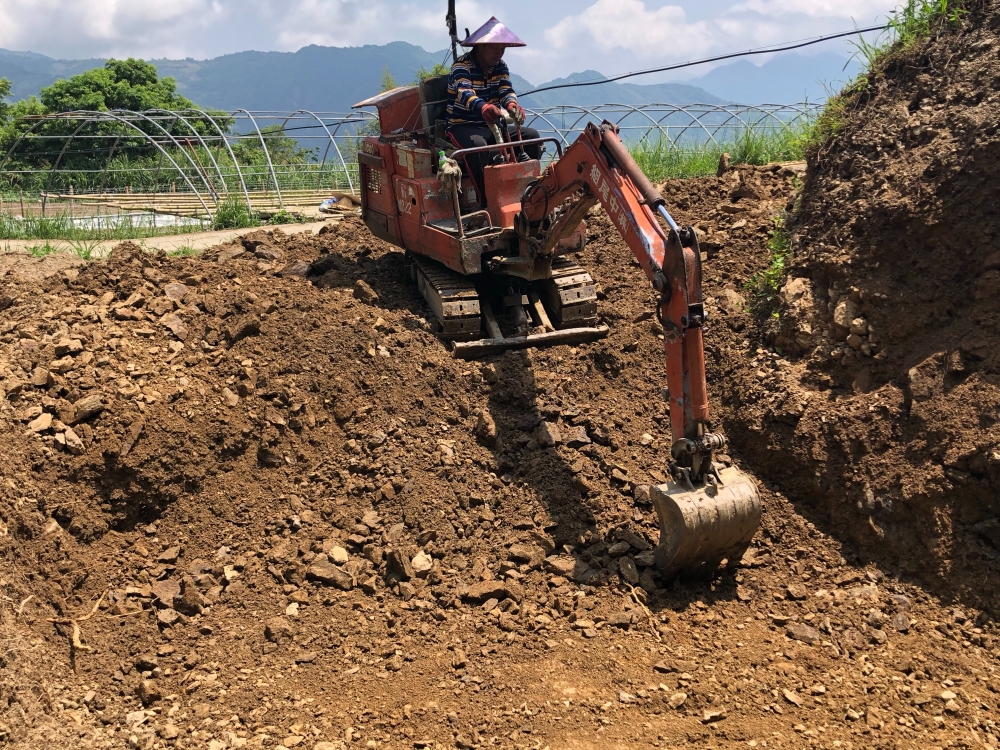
478	134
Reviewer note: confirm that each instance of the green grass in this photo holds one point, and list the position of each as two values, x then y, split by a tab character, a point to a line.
764	288
184	251
664	159
61	227
233	213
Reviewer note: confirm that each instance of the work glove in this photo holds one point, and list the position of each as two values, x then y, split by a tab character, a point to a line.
517	113
491	113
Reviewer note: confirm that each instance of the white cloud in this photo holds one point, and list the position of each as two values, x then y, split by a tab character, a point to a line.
627	24
845	9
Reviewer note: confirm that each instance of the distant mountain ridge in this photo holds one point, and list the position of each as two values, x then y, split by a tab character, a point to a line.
331	79
327	79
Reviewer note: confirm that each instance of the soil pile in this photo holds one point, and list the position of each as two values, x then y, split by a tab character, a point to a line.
886	402
282	515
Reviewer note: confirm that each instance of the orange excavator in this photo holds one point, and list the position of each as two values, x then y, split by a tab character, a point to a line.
486	263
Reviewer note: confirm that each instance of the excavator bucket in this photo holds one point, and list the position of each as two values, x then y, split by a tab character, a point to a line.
700	529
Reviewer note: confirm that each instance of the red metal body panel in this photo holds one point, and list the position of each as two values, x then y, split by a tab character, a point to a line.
505	184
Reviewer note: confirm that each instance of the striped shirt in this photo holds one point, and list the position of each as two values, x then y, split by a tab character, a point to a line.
470	88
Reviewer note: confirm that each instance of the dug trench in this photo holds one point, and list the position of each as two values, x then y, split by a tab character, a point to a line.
243	508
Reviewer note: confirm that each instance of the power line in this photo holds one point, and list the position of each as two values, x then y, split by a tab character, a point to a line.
730	56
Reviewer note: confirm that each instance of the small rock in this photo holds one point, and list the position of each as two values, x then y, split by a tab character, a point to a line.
87	408
175	291
792	698
148	692
490	374
327	573
422	564
480	592
190	602
64	347
548	434
526	554
947	695
364	292
169	556
338	555
576	437
166	590
169	732
486	429
797	592
175	325
628	570
278	630
398	566
799	631
901	622
677	700
168	617
624	697
41	423
306	657
646	439
710	717
902	602
145	663
459	659
73	442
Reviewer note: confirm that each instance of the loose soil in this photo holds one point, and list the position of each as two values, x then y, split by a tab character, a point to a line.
883	405
291	519
242	507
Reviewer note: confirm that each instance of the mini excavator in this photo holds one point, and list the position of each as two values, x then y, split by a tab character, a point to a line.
500	261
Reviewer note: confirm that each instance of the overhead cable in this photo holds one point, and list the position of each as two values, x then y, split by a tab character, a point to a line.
730	56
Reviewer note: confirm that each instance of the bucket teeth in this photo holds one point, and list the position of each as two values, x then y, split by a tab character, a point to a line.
700	529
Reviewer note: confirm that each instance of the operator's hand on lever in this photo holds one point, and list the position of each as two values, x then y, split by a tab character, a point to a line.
517	113
491	113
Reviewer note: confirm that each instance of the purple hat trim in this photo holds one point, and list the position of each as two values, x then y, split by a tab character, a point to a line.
493	32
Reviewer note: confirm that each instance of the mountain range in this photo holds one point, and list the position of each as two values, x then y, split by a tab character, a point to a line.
331	79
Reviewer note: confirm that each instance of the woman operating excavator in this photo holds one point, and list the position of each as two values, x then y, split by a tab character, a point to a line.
479	90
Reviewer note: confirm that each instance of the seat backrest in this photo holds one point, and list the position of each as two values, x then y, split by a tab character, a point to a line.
433	101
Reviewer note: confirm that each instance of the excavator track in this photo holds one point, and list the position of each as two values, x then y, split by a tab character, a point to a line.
570	295
452	297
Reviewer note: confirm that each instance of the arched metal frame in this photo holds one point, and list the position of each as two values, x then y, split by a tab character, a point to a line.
678	126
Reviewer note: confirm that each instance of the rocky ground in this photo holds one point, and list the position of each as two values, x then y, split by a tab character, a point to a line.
242	508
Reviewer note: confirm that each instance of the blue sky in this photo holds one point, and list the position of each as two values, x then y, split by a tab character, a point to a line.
564	36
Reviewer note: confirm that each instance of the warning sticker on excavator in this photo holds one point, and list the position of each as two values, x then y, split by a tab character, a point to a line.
614	209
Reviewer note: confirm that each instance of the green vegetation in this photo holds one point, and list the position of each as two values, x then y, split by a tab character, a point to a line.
62	227
386	81
664	159
438	70
4	93
764	288
911	22
233	213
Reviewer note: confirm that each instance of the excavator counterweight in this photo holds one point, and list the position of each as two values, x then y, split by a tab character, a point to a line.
498	264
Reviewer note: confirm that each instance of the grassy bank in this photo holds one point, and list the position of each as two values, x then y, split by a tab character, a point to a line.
665	160
62	227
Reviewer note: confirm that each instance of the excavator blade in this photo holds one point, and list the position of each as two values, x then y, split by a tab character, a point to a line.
571	336
700	529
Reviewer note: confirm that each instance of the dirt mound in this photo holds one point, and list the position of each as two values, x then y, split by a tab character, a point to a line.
883	406
282	515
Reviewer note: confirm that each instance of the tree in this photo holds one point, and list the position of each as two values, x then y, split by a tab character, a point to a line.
120	84
4	93
387	82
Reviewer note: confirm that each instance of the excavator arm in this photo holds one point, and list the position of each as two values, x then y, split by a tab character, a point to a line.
706	515
598	168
